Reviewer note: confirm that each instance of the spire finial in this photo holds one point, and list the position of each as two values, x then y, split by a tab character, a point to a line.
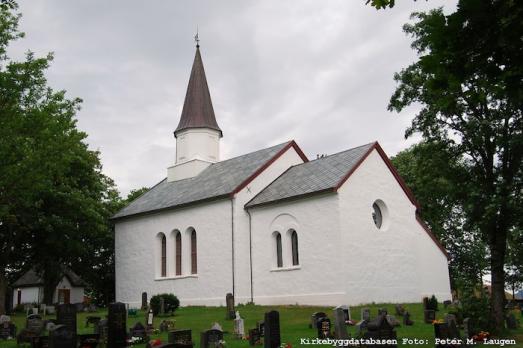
197	38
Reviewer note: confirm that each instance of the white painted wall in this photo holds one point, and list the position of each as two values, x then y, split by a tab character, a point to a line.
76	293
137	253
198	143
397	263
316	281
241	221
35	294
31	294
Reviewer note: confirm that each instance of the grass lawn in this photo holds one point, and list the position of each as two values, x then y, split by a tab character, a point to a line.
294	322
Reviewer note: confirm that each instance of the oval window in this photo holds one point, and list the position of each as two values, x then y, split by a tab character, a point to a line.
377	216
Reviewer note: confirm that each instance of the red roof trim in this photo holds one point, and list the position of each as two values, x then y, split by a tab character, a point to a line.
268	163
432	236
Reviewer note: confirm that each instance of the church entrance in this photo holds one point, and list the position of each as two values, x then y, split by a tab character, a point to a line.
64	296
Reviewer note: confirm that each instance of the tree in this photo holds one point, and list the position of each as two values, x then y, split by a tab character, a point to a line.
53	194
437	177
468	80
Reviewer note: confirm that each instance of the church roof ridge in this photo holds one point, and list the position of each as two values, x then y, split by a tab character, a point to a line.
197	109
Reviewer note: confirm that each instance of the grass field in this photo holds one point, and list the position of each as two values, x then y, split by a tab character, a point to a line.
294	322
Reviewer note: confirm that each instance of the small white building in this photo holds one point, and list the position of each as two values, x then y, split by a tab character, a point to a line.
29	289
272	227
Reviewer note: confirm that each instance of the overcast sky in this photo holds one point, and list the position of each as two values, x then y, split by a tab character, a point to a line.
318	72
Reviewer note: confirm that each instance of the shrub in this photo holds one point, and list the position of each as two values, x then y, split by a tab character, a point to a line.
432	303
171	303
476	307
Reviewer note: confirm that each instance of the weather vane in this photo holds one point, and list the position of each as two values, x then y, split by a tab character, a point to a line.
197	38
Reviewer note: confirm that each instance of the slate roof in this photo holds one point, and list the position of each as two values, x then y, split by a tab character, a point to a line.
218	180
32	278
197	108
319	175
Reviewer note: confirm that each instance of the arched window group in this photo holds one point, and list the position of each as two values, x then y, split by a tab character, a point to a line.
293	241
174	265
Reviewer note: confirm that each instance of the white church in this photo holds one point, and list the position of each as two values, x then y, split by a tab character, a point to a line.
273	227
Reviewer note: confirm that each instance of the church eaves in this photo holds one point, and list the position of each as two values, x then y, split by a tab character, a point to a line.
197	108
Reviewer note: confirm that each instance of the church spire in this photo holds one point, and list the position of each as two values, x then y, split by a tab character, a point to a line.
197	109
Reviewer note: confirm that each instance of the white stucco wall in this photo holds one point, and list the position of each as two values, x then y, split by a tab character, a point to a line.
76	293
397	263
29	295
137	253
199	143
316	281
241	221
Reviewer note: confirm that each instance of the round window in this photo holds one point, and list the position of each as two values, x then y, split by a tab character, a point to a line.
380	214
376	215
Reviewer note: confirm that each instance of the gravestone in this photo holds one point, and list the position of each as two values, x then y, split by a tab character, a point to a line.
229	300
324	328
40	342
272	337
254	337
66	315
392	320
450	320
447	303
511	321
239	328
4	319
102	329
380	329
467	328
117	325
406	319
138	330
216	326
441	332
34	326
166	325
150	320
382	311
365	314
425	303
340	329
400	310
162	306
261	328
361	326
7	330
315	317
62	337
181	338
429	316
144	301
211	338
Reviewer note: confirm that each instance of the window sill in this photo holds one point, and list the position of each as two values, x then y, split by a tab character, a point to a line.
285	269
177	277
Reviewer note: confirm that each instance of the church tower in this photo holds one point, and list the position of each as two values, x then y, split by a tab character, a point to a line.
198	134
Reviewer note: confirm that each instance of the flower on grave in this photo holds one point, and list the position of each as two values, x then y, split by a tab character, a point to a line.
285	345
437	321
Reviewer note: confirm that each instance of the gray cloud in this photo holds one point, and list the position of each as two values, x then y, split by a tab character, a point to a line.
319	72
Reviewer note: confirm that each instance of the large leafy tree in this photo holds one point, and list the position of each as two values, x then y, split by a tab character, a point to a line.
437	176
468	80
54	199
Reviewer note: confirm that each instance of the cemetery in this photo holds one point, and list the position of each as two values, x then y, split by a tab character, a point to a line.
251	325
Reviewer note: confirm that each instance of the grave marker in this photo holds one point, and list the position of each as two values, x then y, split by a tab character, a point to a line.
272	337
254	337
145	303
117	325
211	338
181	338
340	329
66	315
324	328
229	300
62	337
365	314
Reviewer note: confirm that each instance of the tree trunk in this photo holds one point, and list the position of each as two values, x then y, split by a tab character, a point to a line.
3	288
497	299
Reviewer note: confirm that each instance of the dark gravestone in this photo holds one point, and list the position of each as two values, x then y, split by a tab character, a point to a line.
324	328
382	311
7	329
138	330
40	342
254	337
340	328
380	329
441	332
229	300
34	326
261	328
512	323
453	331
429	316
117	325
62	337
315	317
211	338
272	337
162	306
181	338
467	328
406	319
425	303
144	301
66	315
400	310
392	320
88	340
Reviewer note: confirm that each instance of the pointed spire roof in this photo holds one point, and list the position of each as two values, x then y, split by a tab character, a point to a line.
197	109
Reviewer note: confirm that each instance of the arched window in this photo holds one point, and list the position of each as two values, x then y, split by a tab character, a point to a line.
164	256
294	242
194	269
279	258
178	251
